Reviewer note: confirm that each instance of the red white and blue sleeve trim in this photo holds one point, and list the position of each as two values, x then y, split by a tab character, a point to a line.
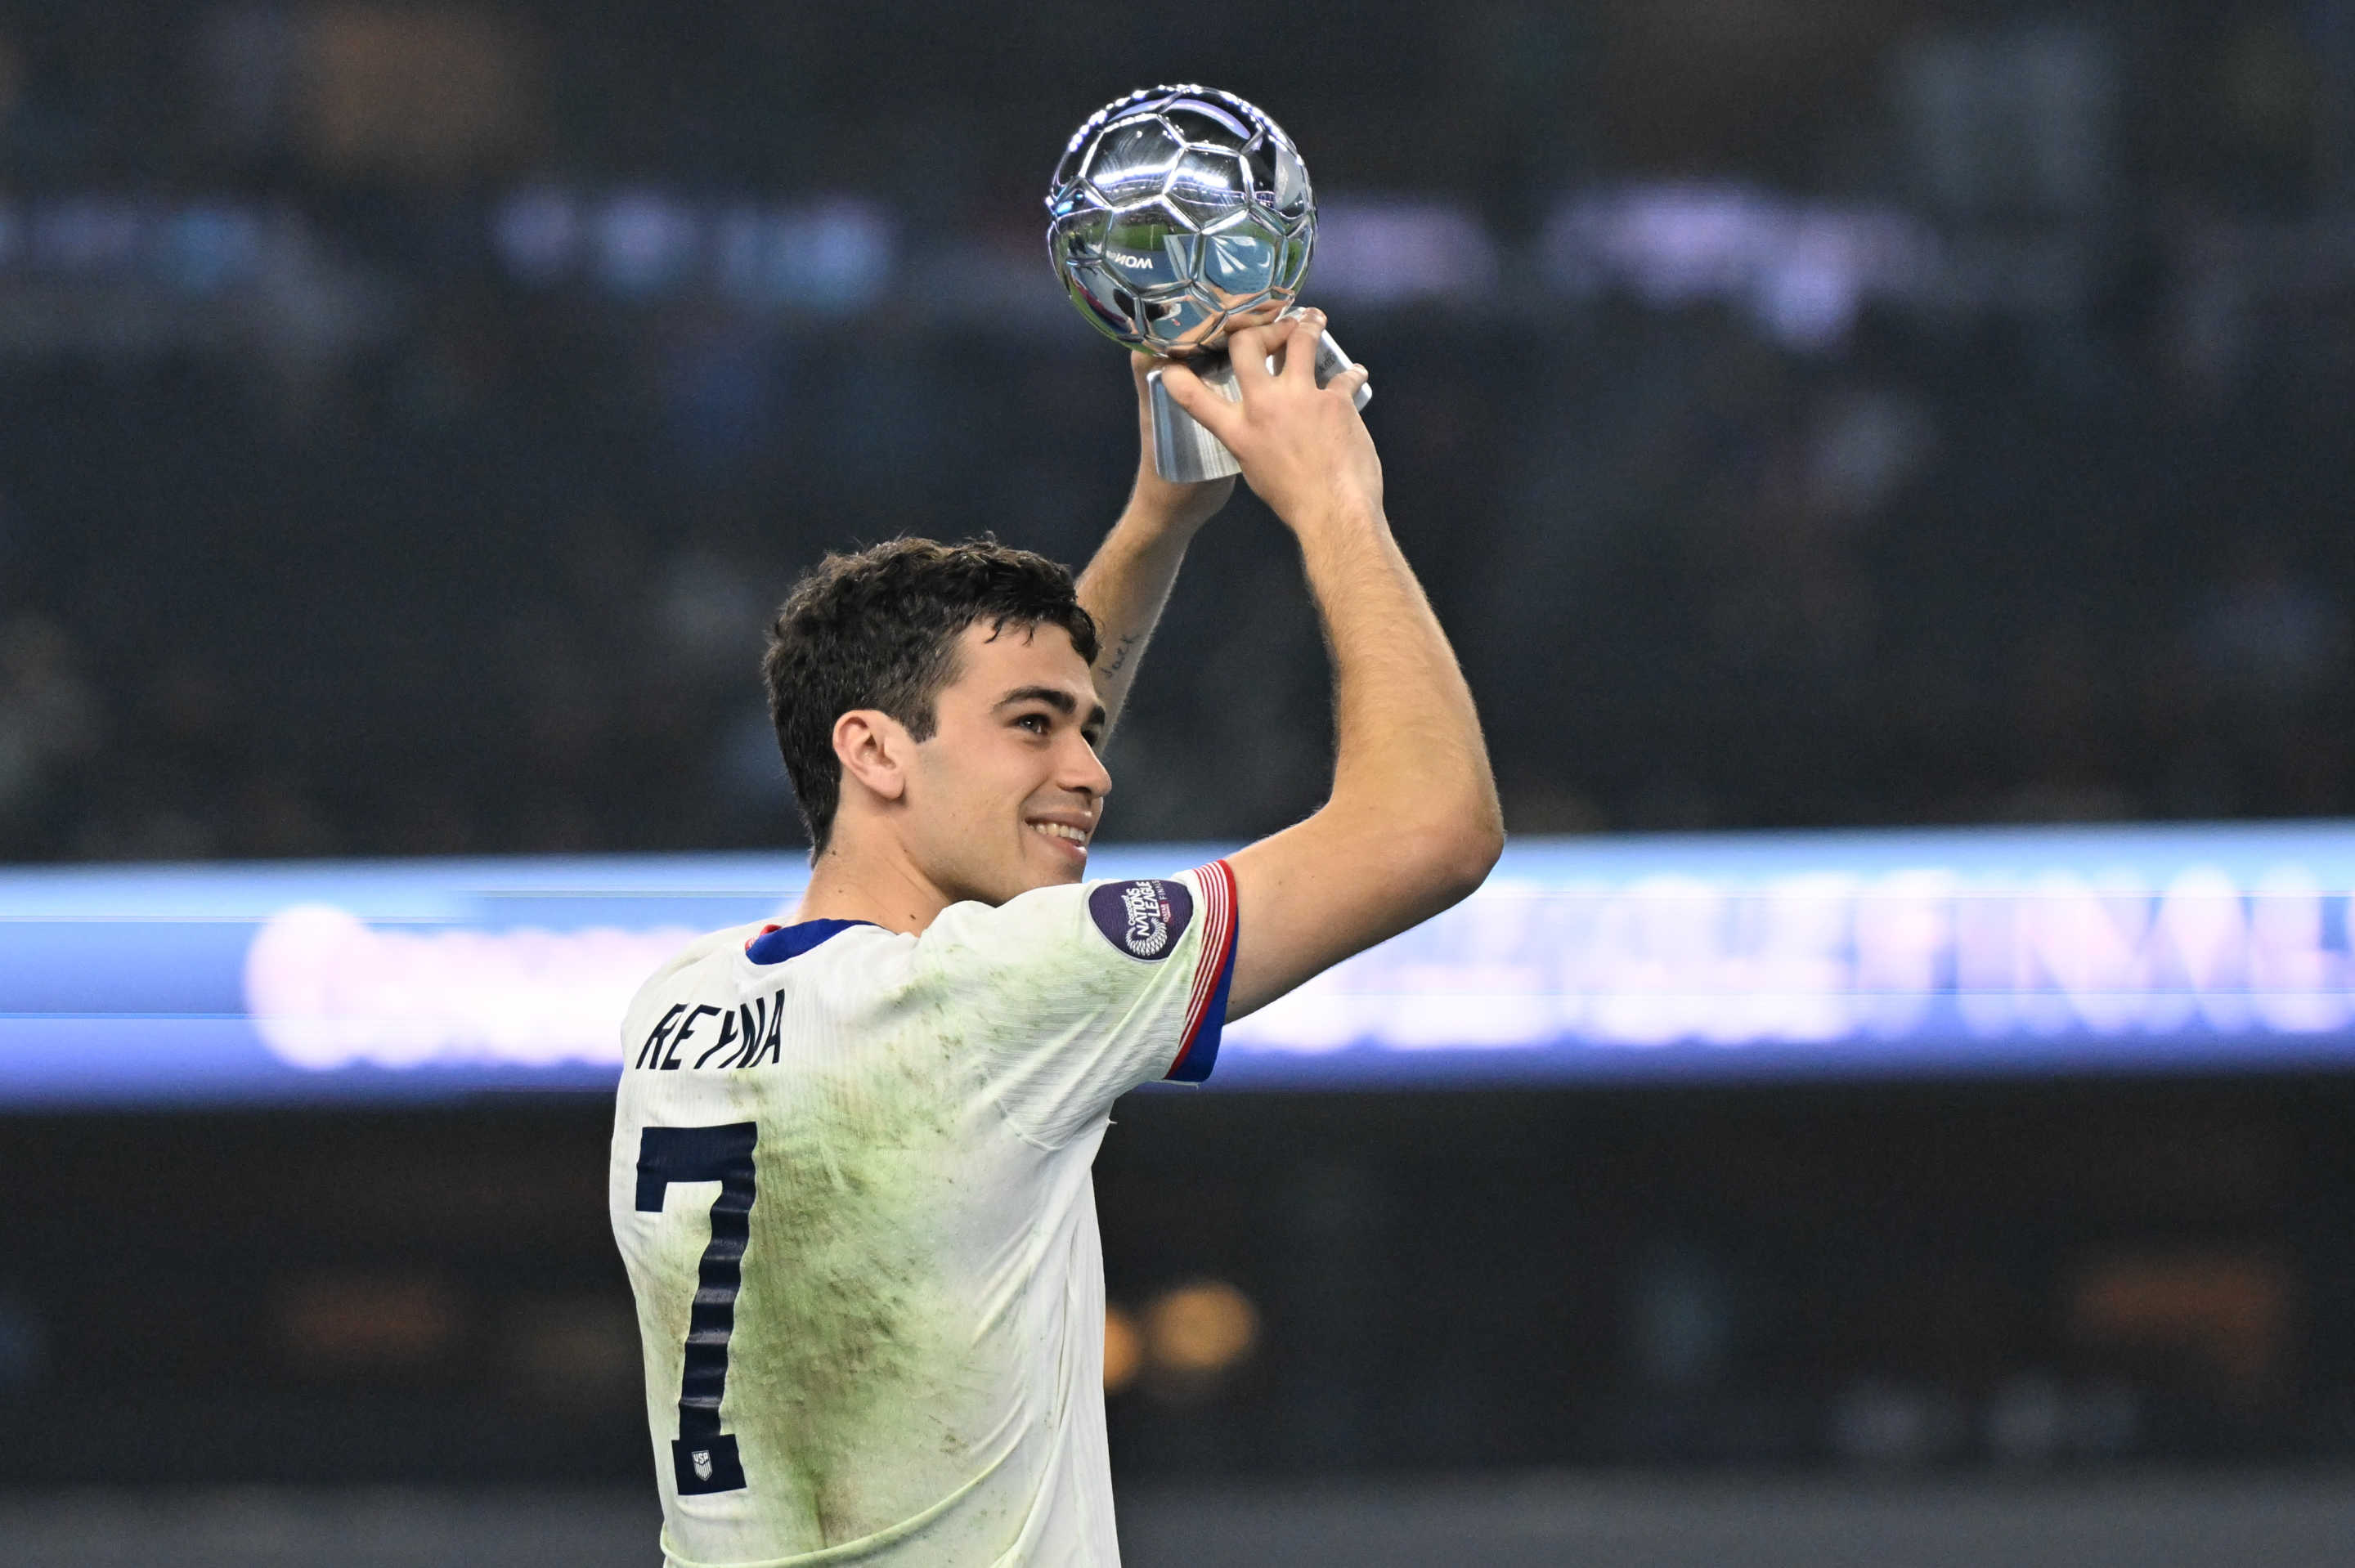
1206	1008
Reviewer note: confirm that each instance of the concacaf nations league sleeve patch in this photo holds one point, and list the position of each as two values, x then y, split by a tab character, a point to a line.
1143	919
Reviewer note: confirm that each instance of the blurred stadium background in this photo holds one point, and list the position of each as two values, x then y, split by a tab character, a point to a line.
1931	421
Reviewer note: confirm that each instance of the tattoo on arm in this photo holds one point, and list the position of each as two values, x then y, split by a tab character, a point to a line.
1120	654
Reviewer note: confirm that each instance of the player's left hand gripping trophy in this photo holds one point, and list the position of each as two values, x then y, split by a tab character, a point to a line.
1178	215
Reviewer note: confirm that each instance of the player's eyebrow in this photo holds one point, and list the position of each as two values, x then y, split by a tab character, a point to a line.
1055	697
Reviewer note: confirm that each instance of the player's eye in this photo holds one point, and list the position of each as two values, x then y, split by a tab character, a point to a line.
1037	723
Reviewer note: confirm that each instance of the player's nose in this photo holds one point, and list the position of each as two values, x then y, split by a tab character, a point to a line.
1083	770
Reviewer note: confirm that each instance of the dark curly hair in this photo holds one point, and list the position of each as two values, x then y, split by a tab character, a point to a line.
877	629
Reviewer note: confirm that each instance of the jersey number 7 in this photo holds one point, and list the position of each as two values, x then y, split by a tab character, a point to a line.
702	1457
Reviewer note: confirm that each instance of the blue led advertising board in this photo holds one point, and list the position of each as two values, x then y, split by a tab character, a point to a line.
1673	959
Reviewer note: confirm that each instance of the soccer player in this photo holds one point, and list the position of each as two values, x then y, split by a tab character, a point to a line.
850	1159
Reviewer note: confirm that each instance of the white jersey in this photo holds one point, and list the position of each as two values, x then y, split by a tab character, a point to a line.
850	1180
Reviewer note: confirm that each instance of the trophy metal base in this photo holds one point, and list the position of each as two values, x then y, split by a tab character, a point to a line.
1185	453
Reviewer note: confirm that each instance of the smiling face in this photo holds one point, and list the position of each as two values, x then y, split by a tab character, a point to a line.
1008	790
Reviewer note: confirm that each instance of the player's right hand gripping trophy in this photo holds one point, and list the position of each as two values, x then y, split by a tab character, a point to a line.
1177	214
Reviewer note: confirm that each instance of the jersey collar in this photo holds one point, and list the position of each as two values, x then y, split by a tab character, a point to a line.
776	944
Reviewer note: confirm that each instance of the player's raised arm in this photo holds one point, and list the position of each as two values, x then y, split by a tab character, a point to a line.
1128	582
1412	824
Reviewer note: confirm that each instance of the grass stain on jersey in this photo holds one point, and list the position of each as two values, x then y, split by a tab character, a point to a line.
850	1338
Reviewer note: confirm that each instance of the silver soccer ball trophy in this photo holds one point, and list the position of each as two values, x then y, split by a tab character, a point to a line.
1178	215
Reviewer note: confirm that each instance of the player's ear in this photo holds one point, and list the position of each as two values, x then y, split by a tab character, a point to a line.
875	749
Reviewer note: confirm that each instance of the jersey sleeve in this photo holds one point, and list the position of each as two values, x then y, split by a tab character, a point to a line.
1075	995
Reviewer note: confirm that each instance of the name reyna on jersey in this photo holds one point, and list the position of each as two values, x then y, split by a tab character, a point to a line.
748	1036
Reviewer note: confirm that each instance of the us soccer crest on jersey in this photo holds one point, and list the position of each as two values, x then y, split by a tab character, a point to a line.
850	1182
